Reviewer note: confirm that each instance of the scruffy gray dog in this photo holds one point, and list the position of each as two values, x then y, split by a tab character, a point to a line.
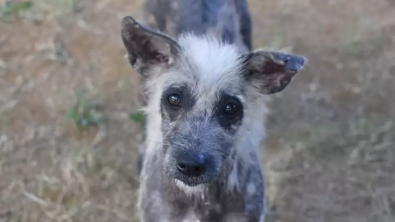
205	95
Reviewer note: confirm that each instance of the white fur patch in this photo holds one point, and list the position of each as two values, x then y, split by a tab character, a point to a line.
251	189
212	57
215	64
262	218
233	180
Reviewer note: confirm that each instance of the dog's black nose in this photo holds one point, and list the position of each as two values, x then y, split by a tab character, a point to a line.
192	166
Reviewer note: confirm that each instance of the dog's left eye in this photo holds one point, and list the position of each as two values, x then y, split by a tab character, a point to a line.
228	111
174	99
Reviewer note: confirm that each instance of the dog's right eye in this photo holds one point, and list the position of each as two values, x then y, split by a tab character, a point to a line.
174	99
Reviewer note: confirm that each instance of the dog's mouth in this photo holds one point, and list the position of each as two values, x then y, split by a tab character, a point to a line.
192	181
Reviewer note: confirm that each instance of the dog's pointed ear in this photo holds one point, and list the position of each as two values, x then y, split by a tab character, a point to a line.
271	72
146	48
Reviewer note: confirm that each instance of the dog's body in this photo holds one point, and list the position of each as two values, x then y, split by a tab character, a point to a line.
205	109
228	20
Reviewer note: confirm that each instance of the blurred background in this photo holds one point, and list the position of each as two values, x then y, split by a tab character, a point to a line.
69	130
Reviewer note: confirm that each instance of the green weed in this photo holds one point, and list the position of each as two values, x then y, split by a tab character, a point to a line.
11	8
84	113
138	117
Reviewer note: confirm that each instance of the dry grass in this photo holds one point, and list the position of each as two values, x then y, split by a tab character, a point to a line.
330	154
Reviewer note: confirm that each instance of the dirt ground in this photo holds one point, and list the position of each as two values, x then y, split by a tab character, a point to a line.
329	155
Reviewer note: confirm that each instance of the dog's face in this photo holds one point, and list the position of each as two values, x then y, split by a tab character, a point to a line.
201	110
198	141
202	90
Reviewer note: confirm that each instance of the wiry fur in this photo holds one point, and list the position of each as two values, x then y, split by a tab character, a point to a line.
208	65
